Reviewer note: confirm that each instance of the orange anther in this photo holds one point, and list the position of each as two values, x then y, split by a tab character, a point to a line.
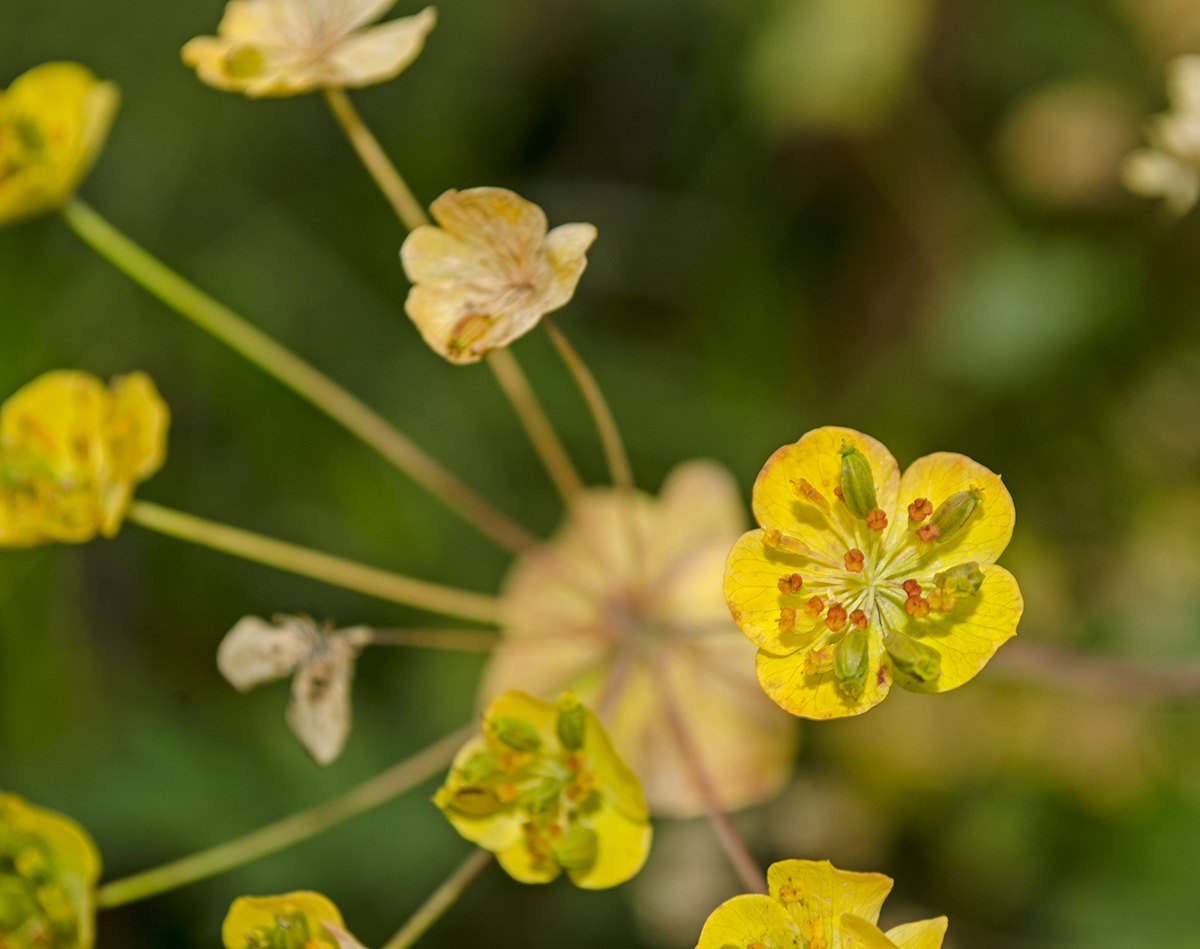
506	793
575	761
858	619
920	509
835	619
790	584
876	519
912	588
854	560
838	492
818	661
917	607
790	894
929	532
806	492
554	830
755	945
787	619
815	607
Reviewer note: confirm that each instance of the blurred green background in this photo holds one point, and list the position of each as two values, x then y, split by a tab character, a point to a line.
898	215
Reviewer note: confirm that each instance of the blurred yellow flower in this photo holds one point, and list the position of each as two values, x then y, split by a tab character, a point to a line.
294	921
1170	168
489	273
543	789
859	577
53	121
813	905
48	872
628	585
71	453
286	47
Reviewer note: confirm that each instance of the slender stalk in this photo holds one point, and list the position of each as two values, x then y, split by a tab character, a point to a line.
723	826
408	208
293	372
311	563
606	425
1108	677
440	900
460	640
536	424
291	830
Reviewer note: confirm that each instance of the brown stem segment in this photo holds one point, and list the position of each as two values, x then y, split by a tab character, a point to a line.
1067	670
460	640
440	900
723	826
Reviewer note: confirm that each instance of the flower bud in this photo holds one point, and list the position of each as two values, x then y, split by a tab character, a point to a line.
517	734
954	511
571	725
476	801
962	580
915	658
858	484
850	656
576	849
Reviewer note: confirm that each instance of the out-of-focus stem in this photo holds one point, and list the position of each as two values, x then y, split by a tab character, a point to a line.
386	175
293	372
320	566
440	900
536	424
291	830
1110	677
454	639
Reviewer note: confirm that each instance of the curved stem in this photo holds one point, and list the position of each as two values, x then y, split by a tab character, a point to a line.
293	372
311	563
440	900
291	830
536	424
408	208
459	640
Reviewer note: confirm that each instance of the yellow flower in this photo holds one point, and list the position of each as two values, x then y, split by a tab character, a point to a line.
71	452
620	591
48	872
53	121
543	789
815	906
489	273
896	575
1170	168
295	921
286	47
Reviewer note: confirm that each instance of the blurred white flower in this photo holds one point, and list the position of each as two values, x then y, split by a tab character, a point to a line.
1170	167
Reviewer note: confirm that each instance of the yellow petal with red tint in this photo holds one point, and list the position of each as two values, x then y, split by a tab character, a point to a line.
748	919
828	893
751	585
968	635
820	695
249	913
926	934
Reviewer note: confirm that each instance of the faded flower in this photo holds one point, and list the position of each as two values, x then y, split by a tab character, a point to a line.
489	272
286	47
1170	167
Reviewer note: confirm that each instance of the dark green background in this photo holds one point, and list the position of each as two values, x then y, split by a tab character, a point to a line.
749	284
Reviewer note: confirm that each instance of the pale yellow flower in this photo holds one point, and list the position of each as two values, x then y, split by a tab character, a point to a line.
592	610
490	272
1170	168
286	47
53	121
302	920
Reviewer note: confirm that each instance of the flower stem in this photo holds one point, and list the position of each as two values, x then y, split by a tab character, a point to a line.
293	372
440	900
311	563
606	425
536	424
723	826
291	830
408	208
460	640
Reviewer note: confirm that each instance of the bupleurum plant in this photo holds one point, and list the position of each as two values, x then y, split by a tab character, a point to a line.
636	657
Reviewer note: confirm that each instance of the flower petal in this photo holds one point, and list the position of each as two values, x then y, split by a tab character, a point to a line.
926	934
621	787
521	864
320	712
495	832
497	221
253	912
820	696
622	848
566	250
751	588
255	651
827	893
968	635
361	12
699	502
381	52
857	933
751	918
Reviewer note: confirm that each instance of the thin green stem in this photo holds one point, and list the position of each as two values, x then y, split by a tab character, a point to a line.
293	372
386	175
453	639
440	900
291	830
311	563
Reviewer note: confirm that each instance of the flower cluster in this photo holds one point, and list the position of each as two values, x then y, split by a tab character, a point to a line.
301	920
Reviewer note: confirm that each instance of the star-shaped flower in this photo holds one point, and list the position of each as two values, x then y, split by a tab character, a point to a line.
71	452
813	905
53	122
489	272
858	577
1170	168
286	47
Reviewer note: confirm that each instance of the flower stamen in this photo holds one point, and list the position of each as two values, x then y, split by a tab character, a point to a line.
854	560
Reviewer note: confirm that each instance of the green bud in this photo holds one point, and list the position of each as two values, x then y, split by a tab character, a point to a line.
850	656
33	863
954	511
858	484
260	938
481	767
915	658
962	580
291	930
576	849
542	798
571	725
517	733
475	801
16	905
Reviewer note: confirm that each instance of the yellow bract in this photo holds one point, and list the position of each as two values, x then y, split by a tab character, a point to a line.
841	606
293	921
53	121
71	453
813	905
1170	168
48	872
543	789
286	47
489	273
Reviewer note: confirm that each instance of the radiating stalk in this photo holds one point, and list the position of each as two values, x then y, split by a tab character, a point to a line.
453	639
440	900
